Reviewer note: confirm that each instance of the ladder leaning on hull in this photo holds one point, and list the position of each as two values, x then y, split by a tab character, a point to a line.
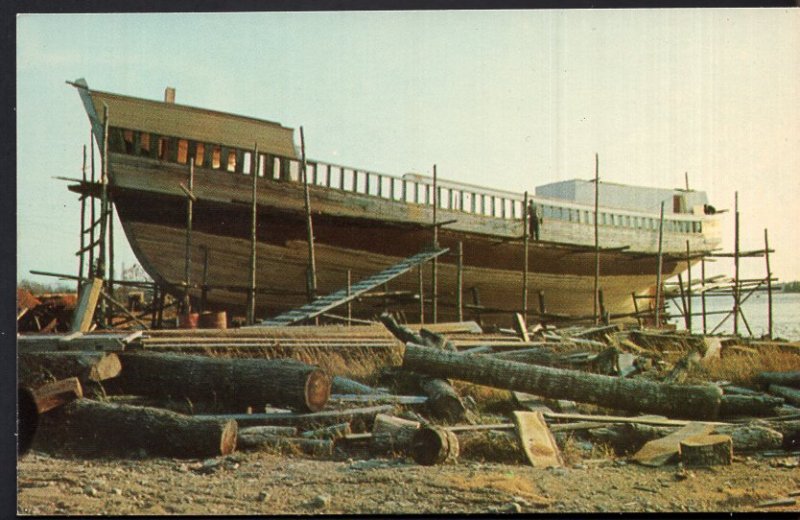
341	297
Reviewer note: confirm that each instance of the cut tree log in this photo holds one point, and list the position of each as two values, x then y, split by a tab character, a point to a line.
335	431
392	434
660	451
56	394
706	450
689	401
733	405
234	382
344	385
443	401
27	420
307	421
432	445
36	368
536	440
265	441
792	395
93	427
779	378
751	437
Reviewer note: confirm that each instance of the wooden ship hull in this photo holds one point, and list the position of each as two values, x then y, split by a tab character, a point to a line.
363	222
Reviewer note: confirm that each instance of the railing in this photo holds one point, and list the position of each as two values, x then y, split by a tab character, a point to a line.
410	189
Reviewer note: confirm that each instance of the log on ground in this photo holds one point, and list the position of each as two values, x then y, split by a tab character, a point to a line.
734	405
37	368
88	427
792	395
779	378
237	383
392	434
689	401
443	401
433	445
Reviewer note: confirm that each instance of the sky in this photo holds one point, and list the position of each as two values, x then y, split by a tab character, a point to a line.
507	99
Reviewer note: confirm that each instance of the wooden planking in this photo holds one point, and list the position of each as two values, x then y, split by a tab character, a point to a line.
197	124
660	451
536	440
87	302
161	251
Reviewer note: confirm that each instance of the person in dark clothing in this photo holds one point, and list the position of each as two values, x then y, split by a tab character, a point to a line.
534	219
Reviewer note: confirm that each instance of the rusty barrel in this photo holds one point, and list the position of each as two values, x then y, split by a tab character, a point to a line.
214	320
188	321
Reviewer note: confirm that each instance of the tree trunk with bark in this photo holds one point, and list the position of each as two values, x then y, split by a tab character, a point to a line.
695	401
779	378
38	368
234	382
94	428
392	434
749	405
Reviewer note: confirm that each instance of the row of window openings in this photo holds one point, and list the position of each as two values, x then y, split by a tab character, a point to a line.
211	156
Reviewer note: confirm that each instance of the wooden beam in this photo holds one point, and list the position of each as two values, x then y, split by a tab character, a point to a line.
87	302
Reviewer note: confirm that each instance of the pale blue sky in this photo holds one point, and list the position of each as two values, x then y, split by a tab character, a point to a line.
511	99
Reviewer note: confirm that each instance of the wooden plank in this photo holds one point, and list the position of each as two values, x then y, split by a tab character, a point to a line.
619	419
87	302
660	451
57	393
536	440
520	327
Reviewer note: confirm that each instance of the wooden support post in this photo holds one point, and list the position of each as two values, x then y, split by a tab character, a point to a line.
601	304
153	301
596	237
636	309
312	265
421	290
736	266
204	288
660	264
160	316
187	259
83	222
349	303
251	292
703	293
460	282
103	211
688	286
434	264
524	257
110	312
683	301
542	306
769	285
91	267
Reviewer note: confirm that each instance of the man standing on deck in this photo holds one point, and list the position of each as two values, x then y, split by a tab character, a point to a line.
535	219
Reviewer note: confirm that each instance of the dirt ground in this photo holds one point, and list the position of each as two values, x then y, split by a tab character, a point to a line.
268	483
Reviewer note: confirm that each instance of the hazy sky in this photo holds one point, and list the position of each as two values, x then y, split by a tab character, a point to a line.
511	99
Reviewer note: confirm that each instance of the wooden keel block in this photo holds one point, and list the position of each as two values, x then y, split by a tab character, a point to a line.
707	450
432	445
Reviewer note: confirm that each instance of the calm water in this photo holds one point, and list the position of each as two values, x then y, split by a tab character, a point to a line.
785	315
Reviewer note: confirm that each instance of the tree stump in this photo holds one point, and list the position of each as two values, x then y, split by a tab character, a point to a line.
707	450
432	445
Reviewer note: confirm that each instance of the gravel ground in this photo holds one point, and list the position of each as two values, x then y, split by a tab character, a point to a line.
266	483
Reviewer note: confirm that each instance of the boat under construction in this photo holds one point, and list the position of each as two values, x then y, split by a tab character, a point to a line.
161	154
